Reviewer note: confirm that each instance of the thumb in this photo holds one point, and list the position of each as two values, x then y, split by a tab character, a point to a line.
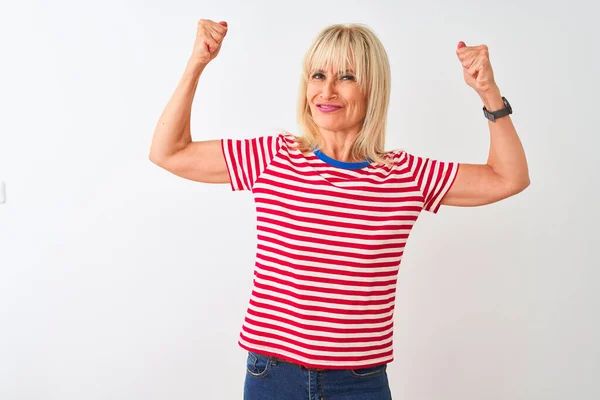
223	23
461	44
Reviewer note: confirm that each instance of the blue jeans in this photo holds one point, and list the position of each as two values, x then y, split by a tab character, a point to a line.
268	378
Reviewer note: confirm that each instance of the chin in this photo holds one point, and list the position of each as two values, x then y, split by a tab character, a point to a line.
329	127
327	123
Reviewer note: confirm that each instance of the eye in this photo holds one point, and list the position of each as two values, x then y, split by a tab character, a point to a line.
319	75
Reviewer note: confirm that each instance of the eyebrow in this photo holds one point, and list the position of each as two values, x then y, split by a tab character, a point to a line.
322	71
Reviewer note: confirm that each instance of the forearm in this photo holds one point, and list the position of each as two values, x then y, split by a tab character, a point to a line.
507	156
172	132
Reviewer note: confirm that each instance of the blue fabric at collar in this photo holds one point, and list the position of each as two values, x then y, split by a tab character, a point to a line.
341	164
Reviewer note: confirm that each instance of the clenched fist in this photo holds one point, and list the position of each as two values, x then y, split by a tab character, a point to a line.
477	69
208	42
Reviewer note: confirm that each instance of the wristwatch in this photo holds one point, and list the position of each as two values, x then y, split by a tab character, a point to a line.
493	115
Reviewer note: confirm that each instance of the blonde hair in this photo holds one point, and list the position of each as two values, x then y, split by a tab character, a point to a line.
357	47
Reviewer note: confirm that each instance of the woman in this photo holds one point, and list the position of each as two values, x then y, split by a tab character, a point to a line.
334	210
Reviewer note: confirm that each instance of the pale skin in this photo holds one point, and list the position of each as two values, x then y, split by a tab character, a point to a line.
505	173
338	129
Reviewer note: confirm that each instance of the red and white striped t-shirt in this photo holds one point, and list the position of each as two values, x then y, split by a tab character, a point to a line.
329	244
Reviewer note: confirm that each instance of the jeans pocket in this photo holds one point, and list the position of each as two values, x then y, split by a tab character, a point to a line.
258	365
369	371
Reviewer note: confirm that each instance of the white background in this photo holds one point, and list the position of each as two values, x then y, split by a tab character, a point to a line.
119	280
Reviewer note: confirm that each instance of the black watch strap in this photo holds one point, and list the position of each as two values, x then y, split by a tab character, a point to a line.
493	115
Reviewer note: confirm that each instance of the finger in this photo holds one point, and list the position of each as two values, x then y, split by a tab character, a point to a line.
464	51
460	50
217	36
481	56
220	28
476	66
210	44
466	54
468	60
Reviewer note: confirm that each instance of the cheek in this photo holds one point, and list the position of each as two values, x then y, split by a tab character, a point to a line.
360	105
355	97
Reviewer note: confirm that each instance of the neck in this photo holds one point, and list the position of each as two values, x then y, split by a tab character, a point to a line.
337	145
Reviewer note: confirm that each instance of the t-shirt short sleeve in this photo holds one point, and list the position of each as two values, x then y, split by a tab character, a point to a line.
434	178
247	158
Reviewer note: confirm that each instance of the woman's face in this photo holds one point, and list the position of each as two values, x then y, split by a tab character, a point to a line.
342	93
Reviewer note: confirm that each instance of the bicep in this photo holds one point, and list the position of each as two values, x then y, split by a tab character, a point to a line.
476	185
201	161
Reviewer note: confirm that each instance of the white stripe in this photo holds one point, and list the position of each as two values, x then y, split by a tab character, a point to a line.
326	210
440	194
318	323
364	186
331	262
365	289
332	335
350	317
317	352
333	345
312	274
311	227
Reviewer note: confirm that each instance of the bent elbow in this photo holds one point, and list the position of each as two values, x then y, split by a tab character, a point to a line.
156	157
517	187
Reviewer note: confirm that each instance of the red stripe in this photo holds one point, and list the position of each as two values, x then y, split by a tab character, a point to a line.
377	288
316	289
444	177
326	270
321	338
327	261
312	365
331	310
394	213
233	157
457	167
313	242
335	319
322	329
291	340
313	347
396	244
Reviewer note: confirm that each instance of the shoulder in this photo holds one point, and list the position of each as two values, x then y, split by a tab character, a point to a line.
287	139
403	157
398	156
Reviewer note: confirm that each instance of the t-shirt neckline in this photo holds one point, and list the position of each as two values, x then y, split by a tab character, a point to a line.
340	164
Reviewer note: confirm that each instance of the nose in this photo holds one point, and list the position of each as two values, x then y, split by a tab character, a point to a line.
328	91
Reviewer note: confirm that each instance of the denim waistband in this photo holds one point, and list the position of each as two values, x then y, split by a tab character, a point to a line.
277	359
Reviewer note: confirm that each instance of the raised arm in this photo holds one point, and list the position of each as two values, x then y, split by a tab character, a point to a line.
506	172
172	146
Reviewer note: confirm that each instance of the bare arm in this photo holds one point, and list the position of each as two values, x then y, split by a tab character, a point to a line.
506	172
172	132
172	147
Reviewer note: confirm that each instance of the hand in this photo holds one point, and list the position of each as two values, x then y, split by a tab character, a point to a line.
477	69
208	42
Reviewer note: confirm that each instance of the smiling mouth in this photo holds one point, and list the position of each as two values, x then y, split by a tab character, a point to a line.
328	108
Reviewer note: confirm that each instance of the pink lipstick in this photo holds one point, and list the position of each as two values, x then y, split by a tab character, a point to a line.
328	107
